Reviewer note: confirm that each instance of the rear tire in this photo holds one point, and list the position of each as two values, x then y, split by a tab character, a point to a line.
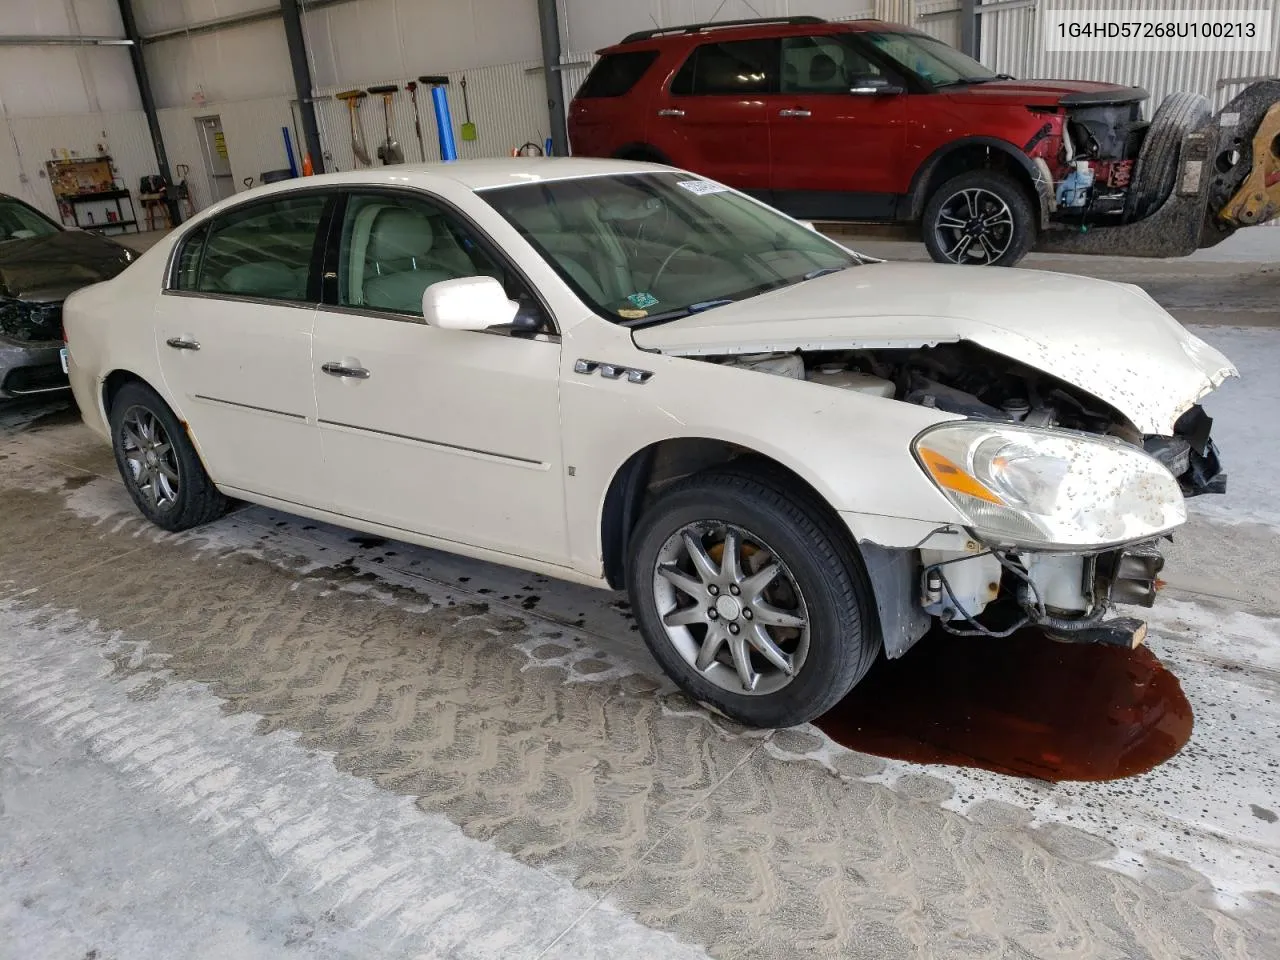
1156	171
158	462
807	636
980	218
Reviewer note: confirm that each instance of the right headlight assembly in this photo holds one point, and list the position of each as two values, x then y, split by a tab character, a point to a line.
1049	489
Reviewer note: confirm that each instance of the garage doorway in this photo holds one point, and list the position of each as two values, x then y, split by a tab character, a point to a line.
213	144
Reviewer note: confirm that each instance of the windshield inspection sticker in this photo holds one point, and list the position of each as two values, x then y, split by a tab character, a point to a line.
702	187
643	300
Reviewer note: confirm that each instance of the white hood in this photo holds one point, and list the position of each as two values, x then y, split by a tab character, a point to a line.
1109	339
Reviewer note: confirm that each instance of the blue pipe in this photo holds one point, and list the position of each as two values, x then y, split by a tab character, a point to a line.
444	123
288	151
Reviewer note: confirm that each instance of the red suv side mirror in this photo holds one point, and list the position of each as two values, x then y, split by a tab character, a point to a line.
873	86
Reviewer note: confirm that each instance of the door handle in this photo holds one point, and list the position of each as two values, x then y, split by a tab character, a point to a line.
342	370
794	113
183	343
671	112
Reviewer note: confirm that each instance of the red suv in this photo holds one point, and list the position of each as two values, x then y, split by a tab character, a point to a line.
868	120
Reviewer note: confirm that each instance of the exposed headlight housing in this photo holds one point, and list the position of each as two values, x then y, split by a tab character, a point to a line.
1049	489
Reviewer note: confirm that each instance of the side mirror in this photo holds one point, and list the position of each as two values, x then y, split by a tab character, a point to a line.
873	86
467	303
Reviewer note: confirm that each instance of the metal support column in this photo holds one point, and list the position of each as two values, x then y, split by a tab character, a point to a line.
549	27
149	107
969	27
302	81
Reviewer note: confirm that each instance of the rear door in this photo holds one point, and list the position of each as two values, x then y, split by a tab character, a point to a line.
233	336
713	118
611	108
834	152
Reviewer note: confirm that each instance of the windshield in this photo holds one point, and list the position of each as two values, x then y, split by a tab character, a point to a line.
644	248
931	59
20	222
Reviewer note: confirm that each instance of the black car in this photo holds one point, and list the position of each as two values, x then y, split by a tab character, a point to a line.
41	263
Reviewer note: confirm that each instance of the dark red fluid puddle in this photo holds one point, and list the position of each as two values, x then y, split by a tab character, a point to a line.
1025	705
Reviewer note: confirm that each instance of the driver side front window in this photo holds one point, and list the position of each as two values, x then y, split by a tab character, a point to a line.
822	65
393	248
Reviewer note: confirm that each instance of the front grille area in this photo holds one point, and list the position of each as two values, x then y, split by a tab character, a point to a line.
31	322
22	380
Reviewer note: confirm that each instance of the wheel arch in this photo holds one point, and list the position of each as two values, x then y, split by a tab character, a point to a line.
974	153
112	384
649	469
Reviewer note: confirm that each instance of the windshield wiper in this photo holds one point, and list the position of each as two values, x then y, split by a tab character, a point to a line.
823	271
693	308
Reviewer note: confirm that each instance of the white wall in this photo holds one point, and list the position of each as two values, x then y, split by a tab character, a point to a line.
55	98
66	98
592	24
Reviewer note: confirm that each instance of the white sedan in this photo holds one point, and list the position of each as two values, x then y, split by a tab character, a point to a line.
791	455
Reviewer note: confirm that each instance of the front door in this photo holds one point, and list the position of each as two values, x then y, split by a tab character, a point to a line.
713	119
233	335
835	153
217	160
448	433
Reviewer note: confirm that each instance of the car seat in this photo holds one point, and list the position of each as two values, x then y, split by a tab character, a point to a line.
824	73
400	245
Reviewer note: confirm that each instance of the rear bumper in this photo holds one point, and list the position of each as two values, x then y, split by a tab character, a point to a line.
30	369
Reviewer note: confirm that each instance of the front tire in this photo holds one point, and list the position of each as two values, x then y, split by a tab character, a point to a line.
981	218
159	464
751	599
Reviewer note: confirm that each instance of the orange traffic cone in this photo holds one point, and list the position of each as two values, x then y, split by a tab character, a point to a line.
307	168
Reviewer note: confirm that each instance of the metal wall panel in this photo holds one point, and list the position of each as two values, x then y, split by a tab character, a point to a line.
592	24
508	107
28	142
255	143
1014	41
939	18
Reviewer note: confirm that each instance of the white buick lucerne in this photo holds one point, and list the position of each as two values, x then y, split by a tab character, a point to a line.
791	455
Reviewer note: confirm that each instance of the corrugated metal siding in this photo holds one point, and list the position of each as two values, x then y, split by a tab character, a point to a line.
30	141
1013	41
508	107
255	143
939	18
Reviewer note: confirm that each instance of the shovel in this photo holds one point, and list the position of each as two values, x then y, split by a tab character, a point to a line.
353	98
389	151
412	87
468	128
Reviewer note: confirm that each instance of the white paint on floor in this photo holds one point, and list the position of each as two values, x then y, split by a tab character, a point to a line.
329	852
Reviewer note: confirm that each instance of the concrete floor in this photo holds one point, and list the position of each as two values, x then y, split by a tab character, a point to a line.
271	738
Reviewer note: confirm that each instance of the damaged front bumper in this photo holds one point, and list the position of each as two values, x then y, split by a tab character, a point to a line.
1190	455
994	593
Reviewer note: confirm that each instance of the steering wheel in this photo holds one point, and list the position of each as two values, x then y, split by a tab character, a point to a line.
653	283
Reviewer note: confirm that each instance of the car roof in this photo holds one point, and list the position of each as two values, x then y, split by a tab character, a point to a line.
738	30
471	174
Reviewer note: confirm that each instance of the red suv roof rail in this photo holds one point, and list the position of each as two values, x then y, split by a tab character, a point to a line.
700	27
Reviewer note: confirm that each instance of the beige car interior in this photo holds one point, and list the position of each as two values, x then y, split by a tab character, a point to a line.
394	252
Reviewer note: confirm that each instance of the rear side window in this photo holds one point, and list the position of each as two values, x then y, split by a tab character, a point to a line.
187	270
264	250
740	67
615	74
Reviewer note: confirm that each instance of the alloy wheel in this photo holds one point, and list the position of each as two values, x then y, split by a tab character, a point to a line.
150	455
731	607
974	226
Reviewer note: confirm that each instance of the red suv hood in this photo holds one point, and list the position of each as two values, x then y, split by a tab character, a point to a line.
1045	93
